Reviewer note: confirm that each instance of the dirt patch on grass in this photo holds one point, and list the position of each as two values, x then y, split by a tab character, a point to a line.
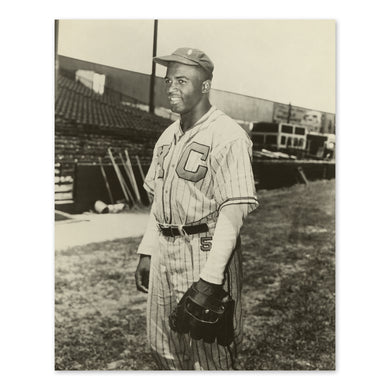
288	300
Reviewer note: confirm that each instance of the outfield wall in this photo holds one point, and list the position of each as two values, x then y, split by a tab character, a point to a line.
89	185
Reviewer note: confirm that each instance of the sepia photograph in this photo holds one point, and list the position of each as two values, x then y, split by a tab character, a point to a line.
195	194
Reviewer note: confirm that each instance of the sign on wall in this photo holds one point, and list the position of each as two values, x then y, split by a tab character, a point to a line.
313	120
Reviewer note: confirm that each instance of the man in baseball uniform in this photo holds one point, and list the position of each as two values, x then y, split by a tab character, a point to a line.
202	182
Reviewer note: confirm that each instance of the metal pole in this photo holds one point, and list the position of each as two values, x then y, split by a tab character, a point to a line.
289	113
56	65
153	75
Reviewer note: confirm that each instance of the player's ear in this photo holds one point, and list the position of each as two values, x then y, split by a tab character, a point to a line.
206	86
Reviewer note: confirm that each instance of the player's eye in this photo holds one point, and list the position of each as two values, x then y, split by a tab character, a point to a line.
167	81
181	81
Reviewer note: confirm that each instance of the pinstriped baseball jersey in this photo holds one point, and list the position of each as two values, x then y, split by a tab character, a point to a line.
194	174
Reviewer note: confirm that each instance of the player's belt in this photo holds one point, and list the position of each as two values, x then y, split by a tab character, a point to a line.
172	231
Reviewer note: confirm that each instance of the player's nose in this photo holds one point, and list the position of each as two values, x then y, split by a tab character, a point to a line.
172	88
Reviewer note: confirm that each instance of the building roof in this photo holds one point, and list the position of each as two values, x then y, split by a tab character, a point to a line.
79	105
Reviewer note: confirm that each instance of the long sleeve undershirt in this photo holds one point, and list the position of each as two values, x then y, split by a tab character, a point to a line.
227	230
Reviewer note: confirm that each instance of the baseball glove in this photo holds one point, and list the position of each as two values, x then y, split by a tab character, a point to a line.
204	315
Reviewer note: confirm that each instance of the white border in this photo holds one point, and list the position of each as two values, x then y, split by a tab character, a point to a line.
27	350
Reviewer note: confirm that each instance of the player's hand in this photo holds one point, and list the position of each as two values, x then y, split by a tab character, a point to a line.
142	273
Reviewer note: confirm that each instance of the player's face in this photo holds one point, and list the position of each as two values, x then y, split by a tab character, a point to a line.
183	85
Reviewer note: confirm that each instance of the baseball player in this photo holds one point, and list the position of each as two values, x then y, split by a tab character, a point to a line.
190	256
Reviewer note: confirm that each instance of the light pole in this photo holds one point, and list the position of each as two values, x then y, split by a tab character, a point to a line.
153	75
56	65
289	113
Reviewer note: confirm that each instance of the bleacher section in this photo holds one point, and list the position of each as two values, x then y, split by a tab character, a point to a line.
86	124
87	147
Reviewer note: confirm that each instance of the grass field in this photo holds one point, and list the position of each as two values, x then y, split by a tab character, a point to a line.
288	297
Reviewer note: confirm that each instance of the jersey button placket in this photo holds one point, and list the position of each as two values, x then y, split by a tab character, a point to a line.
165	187
167	197
166	205
169	179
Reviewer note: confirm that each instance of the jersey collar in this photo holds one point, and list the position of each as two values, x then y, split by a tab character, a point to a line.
179	132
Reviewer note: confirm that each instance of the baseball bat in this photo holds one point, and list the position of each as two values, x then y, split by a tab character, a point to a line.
122	183
140	167
125	184
127	171
106	180
130	167
143	178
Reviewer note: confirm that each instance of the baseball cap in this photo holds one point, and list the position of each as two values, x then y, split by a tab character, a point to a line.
187	56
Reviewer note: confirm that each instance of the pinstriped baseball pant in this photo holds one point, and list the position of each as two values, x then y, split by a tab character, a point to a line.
174	267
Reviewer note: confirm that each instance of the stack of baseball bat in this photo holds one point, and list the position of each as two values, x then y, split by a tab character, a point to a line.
132	195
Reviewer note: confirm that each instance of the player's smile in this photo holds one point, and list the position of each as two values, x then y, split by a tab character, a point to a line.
176	103
174	99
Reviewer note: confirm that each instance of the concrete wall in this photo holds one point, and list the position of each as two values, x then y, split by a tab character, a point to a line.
123	81
243	108
160	97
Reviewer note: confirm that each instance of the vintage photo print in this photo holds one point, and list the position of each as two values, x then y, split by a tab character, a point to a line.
195	194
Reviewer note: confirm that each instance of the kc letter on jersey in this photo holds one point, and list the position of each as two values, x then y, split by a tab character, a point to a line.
190	165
